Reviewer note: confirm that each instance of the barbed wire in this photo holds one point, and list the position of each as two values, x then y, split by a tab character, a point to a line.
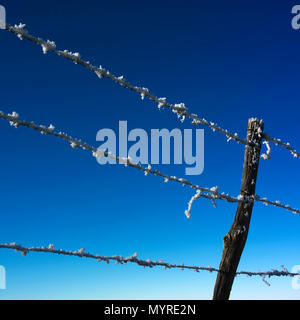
144	263
180	109
208	193
116	258
277	142
275	204
182	112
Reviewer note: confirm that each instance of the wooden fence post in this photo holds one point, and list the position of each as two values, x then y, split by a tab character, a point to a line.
234	241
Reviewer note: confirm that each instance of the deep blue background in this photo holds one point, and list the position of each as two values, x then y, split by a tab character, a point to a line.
228	61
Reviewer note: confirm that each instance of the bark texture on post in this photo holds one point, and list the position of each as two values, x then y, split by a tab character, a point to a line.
234	241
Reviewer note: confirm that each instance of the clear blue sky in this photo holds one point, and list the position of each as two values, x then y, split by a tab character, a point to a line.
227	61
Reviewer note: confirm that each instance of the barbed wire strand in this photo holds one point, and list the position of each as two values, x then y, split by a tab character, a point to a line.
208	193
179	109
286	145
144	263
276	204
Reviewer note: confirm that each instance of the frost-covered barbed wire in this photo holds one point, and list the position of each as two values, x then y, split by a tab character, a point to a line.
272	273
116	258
286	145
208	193
134	259
179	108
276	204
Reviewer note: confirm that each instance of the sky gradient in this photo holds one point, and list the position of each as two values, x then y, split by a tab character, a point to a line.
227	62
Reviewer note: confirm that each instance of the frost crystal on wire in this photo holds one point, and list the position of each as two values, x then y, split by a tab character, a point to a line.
188	211
20	30
162	102
266	155
14	115
51	127
144	92
48	45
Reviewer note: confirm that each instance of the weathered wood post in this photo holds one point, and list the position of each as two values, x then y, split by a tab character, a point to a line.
234	241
